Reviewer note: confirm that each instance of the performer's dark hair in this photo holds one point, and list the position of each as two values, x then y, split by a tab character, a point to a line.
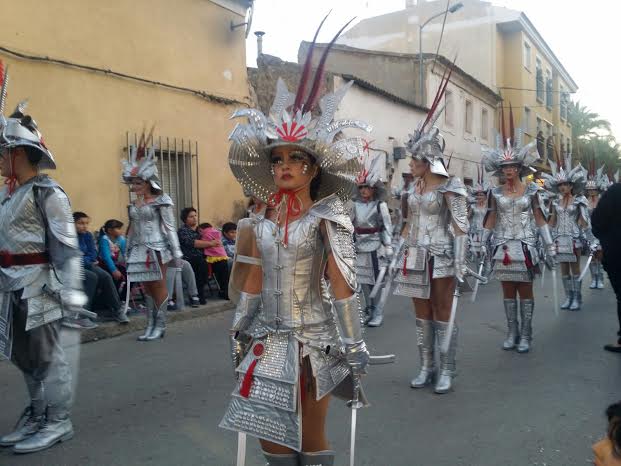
185	213
613	413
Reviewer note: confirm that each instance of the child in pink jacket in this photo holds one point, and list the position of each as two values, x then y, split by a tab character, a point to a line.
216	257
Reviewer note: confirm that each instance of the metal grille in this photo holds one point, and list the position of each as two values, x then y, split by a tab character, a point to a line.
177	163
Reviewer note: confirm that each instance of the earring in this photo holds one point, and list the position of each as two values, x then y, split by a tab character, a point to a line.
272	170
304	169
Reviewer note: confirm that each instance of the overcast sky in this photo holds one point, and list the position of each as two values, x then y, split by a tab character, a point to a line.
583	35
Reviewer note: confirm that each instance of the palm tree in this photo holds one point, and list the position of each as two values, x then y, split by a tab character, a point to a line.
586	124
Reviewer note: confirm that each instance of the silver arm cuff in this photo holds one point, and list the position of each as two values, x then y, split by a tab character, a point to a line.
459	250
246	310
459	212
546	235
348	317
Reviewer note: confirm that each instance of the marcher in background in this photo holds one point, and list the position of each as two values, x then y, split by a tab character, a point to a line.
216	257
608	450
105	284
606	223
152	241
476	217
193	247
40	281
597	183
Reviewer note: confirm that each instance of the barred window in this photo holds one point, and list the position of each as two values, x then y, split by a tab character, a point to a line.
549	90
469	116
484	124
539	80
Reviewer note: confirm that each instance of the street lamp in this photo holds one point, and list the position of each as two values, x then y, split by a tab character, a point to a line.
452	9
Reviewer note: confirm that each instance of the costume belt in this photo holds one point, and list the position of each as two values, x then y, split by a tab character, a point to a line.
366	231
10	260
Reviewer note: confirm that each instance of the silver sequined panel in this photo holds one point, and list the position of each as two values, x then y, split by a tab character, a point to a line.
270	392
329	371
279	361
364	268
42	310
139	269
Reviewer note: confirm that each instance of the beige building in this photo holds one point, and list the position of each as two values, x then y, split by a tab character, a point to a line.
467	122
97	73
498	46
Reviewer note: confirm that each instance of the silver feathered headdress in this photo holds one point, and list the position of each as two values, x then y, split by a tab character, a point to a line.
371	172
561	172
291	123
142	163
482	186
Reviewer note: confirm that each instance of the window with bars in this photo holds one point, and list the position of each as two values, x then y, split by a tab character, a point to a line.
469	116
549	98
526	58
539	80
484	124
449	109
564	103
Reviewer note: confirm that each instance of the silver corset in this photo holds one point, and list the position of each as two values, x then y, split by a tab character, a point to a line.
368	216
515	219
430	217
567	218
153	225
477	218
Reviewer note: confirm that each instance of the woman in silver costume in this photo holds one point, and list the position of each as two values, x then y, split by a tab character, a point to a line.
571	223
515	213
152	241
296	335
432	252
597	183
476	216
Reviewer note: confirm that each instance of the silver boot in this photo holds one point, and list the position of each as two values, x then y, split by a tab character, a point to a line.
527	307
54	429
576	303
447	359
513	333
285	459
425	341
150	319
569	291
32	417
377	317
159	317
594	269
317	458
600	276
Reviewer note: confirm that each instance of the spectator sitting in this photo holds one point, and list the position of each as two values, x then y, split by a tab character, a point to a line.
109	294
229	231
608	450
192	247
216	256
112	245
189	284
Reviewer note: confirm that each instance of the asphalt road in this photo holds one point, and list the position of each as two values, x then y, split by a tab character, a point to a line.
160	403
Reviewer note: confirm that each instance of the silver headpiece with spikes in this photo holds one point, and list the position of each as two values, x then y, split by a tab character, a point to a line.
563	173
142	164
598	181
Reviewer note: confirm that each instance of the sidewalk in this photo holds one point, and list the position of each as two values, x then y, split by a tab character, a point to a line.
138	322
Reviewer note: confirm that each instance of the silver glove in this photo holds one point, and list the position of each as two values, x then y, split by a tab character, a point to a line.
348	318
245	312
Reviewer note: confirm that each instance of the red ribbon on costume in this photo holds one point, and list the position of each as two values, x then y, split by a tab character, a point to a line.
293	206
405	262
506	260
148	260
257	352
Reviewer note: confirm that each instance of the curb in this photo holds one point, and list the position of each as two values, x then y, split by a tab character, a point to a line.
139	322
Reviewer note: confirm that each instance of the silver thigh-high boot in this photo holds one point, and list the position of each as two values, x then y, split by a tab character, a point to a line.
600	276
32	417
285	459
569	291
159	318
447	359
527	307
150	318
57	426
594	269
377	315
576	303
425	341
513	332
317	458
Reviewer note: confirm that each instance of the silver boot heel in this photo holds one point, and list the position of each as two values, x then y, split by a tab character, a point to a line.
594	269
159	326
569	291
150	320
527	307
448	372
513	334
576	303
285	459
425	341
317	458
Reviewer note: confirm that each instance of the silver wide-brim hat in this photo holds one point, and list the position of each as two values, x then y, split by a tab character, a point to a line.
15	134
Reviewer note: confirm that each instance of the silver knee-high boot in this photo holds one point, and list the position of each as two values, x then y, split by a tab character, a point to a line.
600	276
317	458
150	320
527	307
425	341
513	332
285	459
447	371
32	417
569	291
594	269
576	303
159	318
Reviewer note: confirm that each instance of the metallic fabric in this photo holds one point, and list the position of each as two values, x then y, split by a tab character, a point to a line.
567	232
513	333
568	286
527	307
576	176
371	215
150	318
53	431
317	458
511	152
159	322
475	233
448	369
425	339
576	302
247	307
284	459
143	167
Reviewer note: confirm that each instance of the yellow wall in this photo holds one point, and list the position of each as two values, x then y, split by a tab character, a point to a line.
84	116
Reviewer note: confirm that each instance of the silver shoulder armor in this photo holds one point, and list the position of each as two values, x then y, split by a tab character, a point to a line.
583	208
541	205
340	235
457	204
163	200
454	185
57	210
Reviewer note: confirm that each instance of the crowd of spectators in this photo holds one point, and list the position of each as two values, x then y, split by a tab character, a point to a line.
207	254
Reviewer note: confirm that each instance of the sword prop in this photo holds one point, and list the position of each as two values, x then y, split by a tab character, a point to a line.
586	267
241	449
378	282
476	285
554	290
381	360
543	277
355	405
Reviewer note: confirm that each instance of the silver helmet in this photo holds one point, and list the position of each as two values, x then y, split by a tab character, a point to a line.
561	173
142	164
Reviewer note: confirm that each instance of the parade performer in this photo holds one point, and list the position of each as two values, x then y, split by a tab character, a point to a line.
152	241
372	234
432	252
570	222
476	216
515	216
597	183
40	281
296	334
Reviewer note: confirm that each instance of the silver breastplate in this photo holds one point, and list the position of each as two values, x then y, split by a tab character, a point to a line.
478	215
566	220
146	227
292	275
367	217
22	231
514	219
429	221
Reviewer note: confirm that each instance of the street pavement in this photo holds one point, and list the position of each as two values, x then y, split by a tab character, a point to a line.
160	403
